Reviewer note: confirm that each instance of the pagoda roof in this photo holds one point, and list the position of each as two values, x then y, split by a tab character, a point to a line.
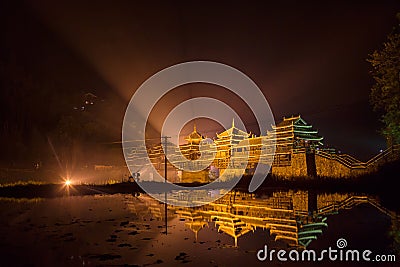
310	231
233	131
294	120
196	226
295	127
235	232
194	136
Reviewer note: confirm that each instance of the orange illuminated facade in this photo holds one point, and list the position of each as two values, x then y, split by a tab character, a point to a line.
233	145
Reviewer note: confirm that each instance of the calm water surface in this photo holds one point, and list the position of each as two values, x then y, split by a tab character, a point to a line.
128	230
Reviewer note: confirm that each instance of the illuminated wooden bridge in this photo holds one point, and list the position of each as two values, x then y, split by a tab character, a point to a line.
292	148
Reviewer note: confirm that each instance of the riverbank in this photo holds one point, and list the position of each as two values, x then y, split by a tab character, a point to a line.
382	184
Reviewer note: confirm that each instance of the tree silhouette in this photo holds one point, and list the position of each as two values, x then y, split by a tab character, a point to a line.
385	93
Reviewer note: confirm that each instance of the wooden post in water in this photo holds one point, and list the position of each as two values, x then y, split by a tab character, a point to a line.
165	177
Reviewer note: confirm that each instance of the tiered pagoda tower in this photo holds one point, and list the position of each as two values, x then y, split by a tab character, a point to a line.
225	142
191	149
293	135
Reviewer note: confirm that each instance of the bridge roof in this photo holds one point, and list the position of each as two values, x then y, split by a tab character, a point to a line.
291	121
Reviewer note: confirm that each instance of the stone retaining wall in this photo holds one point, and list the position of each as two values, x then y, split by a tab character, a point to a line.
298	167
324	167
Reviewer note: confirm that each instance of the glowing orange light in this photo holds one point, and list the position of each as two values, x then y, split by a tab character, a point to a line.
68	182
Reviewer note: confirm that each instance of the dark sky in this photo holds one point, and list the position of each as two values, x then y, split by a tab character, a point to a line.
308	58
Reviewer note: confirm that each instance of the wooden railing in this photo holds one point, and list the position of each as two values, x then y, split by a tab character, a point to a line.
393	151
353	201
389	154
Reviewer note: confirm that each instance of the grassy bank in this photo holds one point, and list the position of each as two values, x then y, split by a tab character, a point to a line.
382	184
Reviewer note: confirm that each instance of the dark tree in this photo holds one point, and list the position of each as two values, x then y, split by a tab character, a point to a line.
385	93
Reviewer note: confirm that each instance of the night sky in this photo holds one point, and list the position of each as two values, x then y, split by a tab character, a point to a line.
308	58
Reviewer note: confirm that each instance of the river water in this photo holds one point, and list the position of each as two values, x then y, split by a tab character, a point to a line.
136	230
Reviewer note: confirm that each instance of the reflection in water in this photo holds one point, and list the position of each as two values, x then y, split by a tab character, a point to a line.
124	230
294	217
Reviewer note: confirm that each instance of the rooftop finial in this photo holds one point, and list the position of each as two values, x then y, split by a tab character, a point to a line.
194	127
233	123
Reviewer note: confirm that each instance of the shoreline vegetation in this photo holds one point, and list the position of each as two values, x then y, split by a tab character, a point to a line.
382	183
